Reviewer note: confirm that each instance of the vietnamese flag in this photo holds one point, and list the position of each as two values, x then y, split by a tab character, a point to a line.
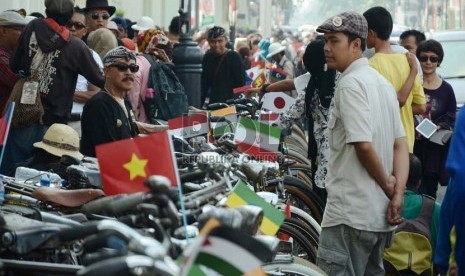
126	164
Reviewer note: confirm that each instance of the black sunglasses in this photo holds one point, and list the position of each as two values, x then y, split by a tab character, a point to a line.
76	25
124	67
96	15
433	59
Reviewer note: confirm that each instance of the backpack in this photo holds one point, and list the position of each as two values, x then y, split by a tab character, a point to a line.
411	252
169	99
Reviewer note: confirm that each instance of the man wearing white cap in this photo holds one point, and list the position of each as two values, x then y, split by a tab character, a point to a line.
284	68
142	25
11	26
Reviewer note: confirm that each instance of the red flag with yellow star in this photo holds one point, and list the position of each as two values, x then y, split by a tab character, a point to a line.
125	164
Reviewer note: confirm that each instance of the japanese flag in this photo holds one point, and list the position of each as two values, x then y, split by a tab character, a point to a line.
278	102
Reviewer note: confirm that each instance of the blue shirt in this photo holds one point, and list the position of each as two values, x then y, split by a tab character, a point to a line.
453	206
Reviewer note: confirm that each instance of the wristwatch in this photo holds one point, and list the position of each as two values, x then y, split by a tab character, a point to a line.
263	90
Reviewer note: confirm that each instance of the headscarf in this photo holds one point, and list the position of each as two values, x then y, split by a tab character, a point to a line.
118	53
101	41
156	43
128	43
321	80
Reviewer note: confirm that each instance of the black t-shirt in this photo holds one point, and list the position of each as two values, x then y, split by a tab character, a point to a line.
230	75
104	120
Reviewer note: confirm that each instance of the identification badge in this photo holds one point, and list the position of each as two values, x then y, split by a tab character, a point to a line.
29	94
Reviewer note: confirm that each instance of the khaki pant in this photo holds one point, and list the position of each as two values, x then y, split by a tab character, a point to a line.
346	251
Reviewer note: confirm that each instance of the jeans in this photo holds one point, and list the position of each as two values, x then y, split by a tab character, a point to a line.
20	146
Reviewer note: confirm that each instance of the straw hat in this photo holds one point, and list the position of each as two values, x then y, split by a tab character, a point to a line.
60	140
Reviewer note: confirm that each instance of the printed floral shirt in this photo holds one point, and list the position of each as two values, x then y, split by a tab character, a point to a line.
320	116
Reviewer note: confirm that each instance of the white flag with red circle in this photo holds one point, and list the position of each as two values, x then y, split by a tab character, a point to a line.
278	102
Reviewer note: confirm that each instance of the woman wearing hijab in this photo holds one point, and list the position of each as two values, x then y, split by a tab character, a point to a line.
314	103
155	43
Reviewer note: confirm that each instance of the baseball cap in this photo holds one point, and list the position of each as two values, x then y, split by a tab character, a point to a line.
349	22
59	6
120	22
12	18
143	24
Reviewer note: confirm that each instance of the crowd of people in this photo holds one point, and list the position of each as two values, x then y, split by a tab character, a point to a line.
90	72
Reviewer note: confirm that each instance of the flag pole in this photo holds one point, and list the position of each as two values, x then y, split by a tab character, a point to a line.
181	197
9	117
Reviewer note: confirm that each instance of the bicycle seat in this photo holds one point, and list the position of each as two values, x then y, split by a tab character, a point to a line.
66	198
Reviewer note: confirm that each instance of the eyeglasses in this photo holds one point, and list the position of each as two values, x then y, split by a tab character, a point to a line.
76	25
103	15
433	59
124	67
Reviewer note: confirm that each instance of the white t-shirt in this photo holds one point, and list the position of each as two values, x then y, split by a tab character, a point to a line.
365	110
82	84
301	82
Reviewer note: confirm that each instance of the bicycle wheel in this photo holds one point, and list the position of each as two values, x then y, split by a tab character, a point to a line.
298	267
297	156
292	143
302	216
297	130
310	234
303	241
301	196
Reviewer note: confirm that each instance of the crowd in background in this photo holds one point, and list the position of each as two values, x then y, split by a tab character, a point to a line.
93	71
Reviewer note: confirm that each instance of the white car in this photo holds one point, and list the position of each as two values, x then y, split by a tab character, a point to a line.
452	67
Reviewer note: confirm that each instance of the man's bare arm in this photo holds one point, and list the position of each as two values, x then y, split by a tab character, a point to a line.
400	171
418	109
404	92
84	96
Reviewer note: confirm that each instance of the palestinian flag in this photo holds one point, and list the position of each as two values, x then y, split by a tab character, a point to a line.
227	251
243	195
189	126
257	139
230	115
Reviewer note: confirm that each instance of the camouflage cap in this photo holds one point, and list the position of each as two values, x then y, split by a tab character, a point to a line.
349	22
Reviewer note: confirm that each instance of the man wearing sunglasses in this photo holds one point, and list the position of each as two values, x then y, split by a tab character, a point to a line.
97	13
108	116
78	24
